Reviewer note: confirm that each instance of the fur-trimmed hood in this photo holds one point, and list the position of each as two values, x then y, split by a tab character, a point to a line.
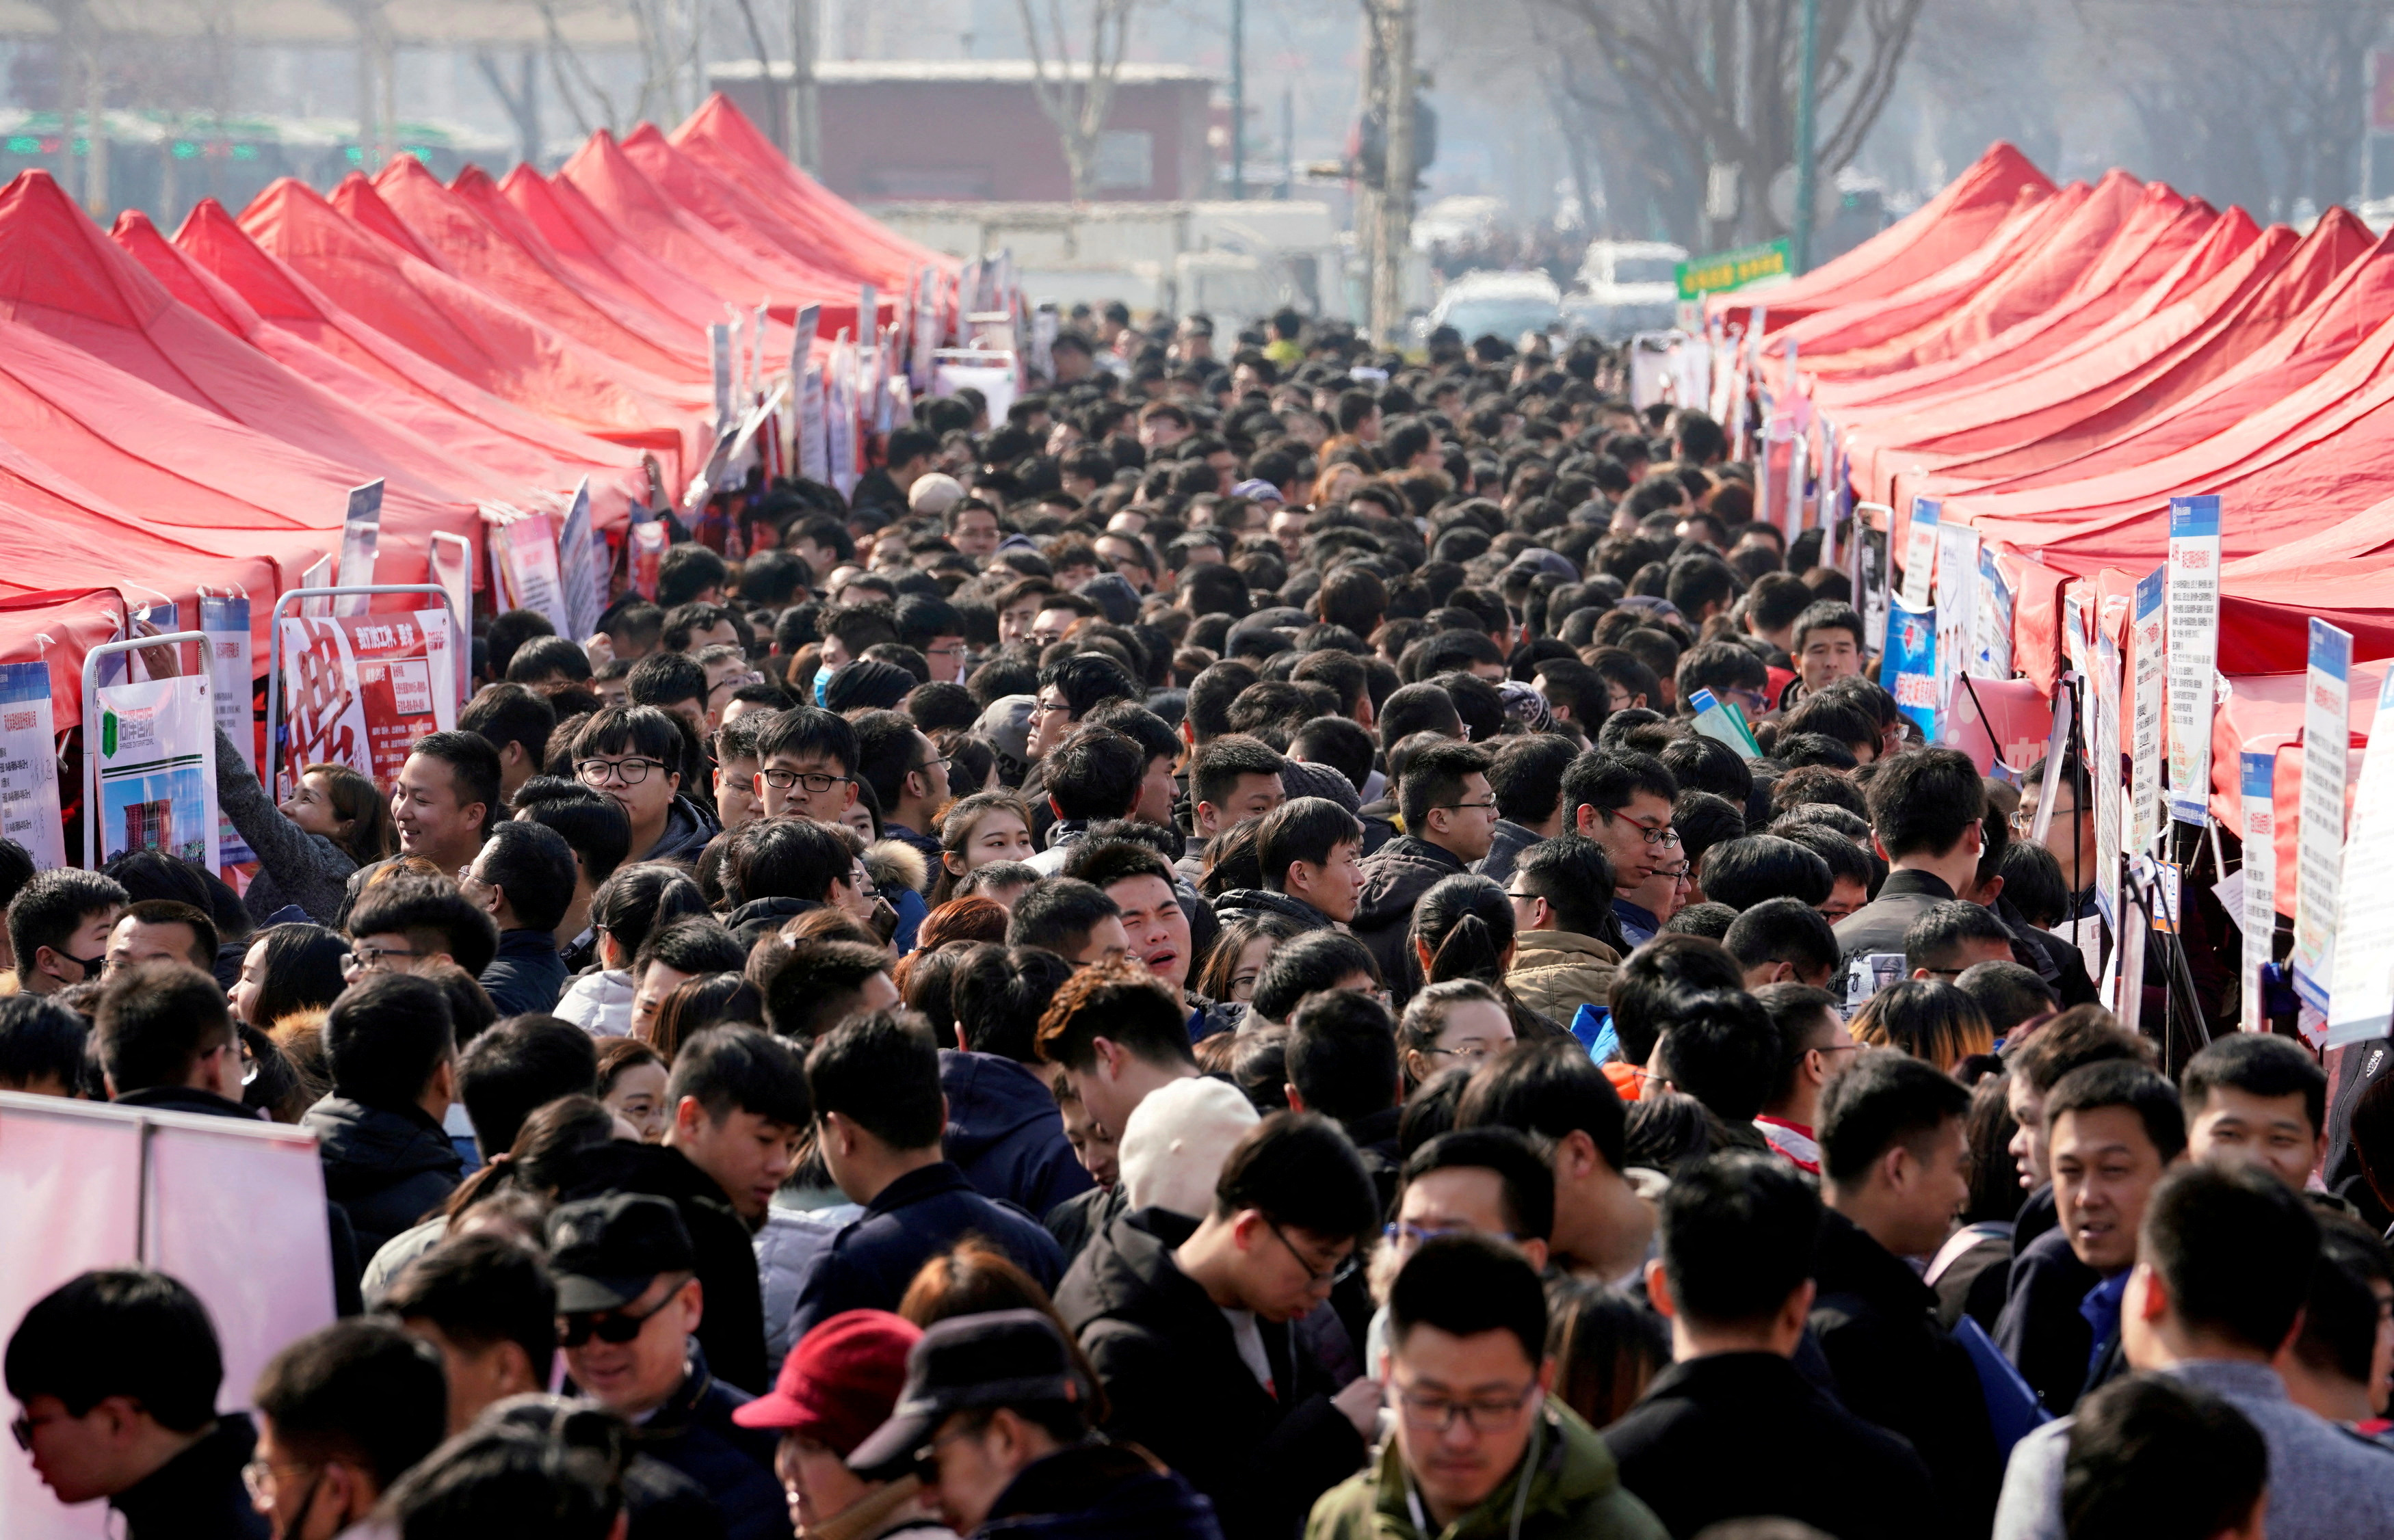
893	864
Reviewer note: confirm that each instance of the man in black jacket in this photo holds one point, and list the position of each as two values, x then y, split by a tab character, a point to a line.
523	878
1928	811
387	1161
1189	1326
1450	822
1896	1164
117	1374
1732	1430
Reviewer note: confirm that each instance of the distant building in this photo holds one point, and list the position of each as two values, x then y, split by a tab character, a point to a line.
971	130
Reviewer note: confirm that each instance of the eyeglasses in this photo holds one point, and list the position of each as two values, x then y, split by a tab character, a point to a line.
1664	836
258	1477
1477	1050
1334	1275
942	761
22	1428
373	959
814	781
1041	707
1463	806
1414	1235
631	772
1524	898
1492	1414
613	1326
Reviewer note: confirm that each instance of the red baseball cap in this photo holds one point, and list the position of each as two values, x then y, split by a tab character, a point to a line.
840	1381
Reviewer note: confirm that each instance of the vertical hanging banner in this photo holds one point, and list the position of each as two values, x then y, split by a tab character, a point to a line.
1956	587
814	427
926	329
157	769
2260	921
756	353
2193	650
523	549
29	771
868	317
648	541
802	348
361	690
1991	658
226	624
2361	993
360	537
2319	850
841	407
1920	554
1908	667
2104	770
581	569
1874	574
2145	706
719	349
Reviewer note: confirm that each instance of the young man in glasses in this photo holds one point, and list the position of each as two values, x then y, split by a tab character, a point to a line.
635	754
628	1300
1624	802
807	758
1450	815
1478	1446
1189	1325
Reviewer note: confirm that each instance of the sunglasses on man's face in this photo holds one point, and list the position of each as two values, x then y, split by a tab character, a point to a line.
611	1326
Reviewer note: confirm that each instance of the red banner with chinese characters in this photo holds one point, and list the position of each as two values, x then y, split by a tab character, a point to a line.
360	690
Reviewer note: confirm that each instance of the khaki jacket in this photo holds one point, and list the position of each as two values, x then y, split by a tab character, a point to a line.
1554	972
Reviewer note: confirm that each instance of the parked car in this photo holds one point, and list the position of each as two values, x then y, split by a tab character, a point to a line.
1625	287
1503	305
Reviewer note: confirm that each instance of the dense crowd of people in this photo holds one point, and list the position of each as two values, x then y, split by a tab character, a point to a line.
1178	967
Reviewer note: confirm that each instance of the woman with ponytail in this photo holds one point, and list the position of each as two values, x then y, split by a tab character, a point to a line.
1463	929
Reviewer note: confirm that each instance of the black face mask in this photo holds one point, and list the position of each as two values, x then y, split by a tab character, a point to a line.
91	965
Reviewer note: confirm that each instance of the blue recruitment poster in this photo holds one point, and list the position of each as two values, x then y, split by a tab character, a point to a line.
1908	669
1992	659
28	771
2255	779
2193	650
2145	712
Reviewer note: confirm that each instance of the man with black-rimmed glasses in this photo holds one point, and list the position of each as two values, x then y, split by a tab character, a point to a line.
807	765
634	755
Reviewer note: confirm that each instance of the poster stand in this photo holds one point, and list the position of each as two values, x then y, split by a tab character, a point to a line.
274	654
91	660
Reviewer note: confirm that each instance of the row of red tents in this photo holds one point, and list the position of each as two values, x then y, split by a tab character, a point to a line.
187	412
2052	364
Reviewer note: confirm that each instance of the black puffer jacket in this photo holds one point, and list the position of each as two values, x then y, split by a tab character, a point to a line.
1395	877
387	1168
1241	902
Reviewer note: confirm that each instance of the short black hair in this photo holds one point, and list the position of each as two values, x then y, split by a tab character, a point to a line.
811	986
1798	1011
1433	777
1722	1049
785	856
543	657
1123	1003
503	713
534	866
733	1068
2008	994
1418	708
1574	875
1739	1233
1466	1285
1826	615
521	1064
1115	856
40	1040
881	1071
1524	1177
2259	1065
1884	1098
1548	1088
2235	1245
1339	743
1316	960
885	752
1214	770
473	767
1300	1169
1606	779
1744	872
1086	680
1095	774
361	1388
1342	1055
119	1332
687	570
2155	1456
2339	1336
1059	913
595	826
1923	803
998	994
54	905
1307	829
696	946
153	1022
805	731
1932	941
1527	774
1782	930
647	730
2122	1083
385	1038
428	910
1651	979
481	1289
666	679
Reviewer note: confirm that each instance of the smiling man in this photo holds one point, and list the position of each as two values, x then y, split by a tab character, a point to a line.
1478	1446
2257	1099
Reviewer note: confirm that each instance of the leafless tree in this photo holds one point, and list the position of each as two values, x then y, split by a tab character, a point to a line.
1076	93
1720	79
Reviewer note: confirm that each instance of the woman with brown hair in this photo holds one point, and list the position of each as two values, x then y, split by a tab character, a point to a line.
1928	1019
336	822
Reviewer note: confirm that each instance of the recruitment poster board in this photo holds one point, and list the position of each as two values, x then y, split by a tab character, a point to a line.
30	812
524	564
1919	552
2145	712
226	624
361	538
2109	806
1908	667
156	770
581	568
1991	657
2255	776
2361	994
1956	586
453	568
234	1209
2194	651
360	691
2319	852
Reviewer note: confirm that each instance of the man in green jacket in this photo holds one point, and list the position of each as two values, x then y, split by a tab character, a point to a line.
1479	1452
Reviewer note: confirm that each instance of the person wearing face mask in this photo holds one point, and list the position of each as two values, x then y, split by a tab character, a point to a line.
59	924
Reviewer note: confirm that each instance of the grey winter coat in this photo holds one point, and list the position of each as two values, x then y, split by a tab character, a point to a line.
294	865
